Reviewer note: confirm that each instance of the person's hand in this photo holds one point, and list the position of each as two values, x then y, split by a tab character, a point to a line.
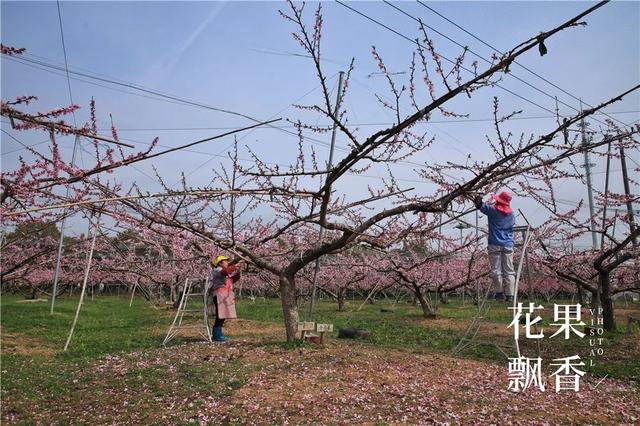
477	200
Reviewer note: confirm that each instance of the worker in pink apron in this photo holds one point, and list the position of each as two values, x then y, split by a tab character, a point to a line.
224	301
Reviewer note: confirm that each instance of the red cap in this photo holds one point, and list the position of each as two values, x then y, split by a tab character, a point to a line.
503	201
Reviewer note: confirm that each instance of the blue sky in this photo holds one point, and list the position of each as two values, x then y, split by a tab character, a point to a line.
237	56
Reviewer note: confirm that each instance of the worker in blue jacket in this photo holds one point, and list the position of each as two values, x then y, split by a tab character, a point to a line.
501	221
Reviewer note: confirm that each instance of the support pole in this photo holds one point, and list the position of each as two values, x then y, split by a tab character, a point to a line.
606	193
463	287
477	280
84	283
439	233
627	192
133	293
316	268
587	169
56	274
463	225
530	295
368	296
596	303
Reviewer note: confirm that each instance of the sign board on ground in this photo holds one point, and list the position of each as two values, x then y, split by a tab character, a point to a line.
322	328
306	326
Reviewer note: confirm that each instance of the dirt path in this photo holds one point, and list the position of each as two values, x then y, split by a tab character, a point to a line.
19	344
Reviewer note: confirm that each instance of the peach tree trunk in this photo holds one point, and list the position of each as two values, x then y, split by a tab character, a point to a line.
607	303
341	298
428	310
289	306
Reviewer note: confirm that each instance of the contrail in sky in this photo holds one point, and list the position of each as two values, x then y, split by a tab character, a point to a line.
170	62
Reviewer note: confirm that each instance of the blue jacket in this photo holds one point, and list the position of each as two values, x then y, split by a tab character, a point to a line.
500	226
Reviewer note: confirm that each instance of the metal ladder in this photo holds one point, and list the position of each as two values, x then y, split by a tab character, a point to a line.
177	326
469	339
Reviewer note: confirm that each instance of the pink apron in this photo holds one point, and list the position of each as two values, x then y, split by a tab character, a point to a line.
226	301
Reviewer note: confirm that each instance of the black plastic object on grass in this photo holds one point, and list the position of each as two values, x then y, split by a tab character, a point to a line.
353	333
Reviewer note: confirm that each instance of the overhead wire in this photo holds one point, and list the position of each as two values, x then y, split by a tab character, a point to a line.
281	127
21	61
25	146
193	103
141	89
516	62
160	99
248	133
356	124
511	74
442	56
182	100
414	41
66	63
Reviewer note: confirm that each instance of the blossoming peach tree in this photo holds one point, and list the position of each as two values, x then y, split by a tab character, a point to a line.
308	194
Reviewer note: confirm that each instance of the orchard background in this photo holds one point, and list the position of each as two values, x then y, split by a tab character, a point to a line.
350	206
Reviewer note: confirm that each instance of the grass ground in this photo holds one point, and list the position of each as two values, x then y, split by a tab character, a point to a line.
117	372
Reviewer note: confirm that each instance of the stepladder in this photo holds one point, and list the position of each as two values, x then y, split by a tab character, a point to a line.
470	337
193	311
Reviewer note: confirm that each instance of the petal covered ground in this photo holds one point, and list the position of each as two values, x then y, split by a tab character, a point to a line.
254	380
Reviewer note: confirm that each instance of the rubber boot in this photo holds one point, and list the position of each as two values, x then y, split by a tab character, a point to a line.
499	296
218	336
509	299
223	336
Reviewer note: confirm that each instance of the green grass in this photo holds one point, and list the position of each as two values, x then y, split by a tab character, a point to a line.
626	370
406	328
106	324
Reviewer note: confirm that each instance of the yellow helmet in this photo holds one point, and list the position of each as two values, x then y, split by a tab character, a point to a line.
219	259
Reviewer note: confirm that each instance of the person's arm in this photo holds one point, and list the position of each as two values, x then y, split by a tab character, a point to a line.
229	270
232	271
478	201
483	207
486	208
